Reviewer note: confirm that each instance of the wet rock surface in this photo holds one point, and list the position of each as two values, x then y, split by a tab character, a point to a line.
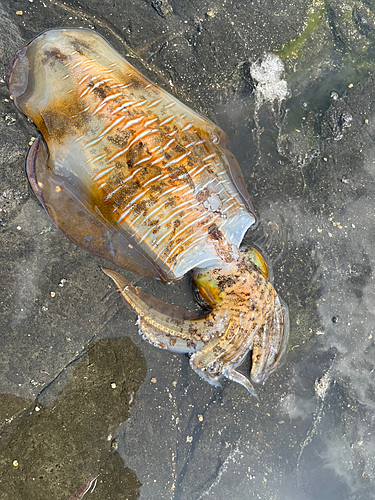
50	452
308	161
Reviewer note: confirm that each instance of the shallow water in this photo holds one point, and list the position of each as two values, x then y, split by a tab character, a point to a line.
308	161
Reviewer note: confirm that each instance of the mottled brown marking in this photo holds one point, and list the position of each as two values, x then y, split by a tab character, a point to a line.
51	56
120	139
81	47
215	233
101	91
191	344
55	122
171	203
142	207
121	197
225	282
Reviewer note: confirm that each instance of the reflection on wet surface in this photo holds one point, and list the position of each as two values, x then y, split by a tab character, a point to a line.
308	163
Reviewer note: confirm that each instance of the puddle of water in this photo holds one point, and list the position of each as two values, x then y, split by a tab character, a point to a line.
52	452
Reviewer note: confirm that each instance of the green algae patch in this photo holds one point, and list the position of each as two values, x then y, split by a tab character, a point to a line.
337	39
334	52
292	49
56	453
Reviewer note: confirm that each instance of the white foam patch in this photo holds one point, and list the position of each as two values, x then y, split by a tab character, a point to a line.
267	74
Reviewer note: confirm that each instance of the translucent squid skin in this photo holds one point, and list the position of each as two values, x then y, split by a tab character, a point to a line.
128	172
124	169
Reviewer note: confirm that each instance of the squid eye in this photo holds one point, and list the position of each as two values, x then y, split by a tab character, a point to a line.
258	260
205	289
